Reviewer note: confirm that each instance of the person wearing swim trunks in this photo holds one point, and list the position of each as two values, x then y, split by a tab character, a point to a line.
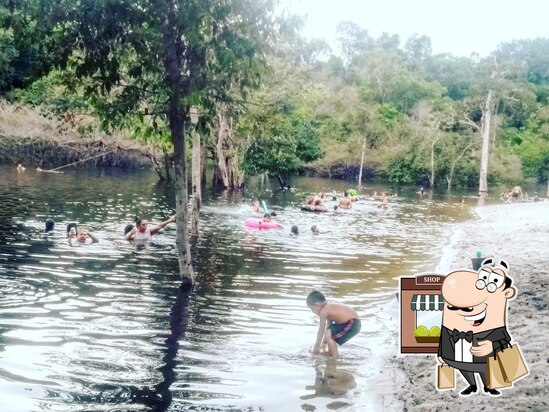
342	332
338	323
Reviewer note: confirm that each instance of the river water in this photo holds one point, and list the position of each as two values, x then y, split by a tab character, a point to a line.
105	327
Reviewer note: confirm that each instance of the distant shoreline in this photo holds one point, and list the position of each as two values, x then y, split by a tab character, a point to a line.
49	153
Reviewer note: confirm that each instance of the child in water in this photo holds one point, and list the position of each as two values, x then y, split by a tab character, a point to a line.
338	323
268	219
256	207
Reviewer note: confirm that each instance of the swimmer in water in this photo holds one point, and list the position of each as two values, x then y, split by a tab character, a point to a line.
79	234
143	232
345	202
50	224
384	201
267	218
257	207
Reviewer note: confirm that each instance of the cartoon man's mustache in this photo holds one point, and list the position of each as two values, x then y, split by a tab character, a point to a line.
450	307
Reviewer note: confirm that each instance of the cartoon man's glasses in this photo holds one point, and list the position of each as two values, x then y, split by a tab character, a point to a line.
489	280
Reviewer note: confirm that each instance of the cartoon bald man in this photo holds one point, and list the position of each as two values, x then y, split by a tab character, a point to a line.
474	318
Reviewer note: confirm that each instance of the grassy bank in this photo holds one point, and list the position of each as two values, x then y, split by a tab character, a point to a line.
35	139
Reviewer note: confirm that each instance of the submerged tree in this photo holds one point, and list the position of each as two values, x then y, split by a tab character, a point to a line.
282	134
281	145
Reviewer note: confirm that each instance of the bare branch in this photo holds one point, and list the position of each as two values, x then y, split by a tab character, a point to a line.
469	122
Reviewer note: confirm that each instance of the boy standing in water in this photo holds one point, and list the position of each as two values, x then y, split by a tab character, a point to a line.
338	323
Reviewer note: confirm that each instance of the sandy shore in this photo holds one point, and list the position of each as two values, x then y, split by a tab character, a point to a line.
518	233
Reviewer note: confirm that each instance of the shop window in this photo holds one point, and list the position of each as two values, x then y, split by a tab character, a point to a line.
421	306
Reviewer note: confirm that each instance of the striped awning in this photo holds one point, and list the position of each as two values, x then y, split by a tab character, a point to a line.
427	302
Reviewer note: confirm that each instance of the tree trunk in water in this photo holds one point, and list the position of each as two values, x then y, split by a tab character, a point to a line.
156	166
222	176
432	165
203	163
282	181
485	128
196	183
167	163
176	118
433	161
181	201
361	165
227	171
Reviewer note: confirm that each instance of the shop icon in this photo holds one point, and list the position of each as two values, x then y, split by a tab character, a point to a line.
421	306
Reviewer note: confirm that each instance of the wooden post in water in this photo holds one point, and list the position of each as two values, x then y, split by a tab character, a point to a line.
196	170
361	165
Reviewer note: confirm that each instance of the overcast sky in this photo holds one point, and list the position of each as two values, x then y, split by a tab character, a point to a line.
459	27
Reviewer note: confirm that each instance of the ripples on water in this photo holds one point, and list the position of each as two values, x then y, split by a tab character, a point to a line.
105	327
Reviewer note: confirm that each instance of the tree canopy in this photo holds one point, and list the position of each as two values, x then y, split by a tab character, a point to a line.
141	65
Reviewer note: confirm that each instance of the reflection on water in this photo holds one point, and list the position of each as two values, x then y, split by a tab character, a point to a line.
330	381
105	327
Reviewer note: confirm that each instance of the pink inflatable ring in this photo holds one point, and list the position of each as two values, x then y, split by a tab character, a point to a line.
260	224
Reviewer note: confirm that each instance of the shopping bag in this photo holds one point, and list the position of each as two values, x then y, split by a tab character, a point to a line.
494	374
445	377
512	363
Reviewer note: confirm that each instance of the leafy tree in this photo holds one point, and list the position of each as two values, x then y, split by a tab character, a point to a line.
532	144
353	40
283	140
534	154
456	74
418	49
8	53
405	167
23	37
153	60
532	53
384	78
387	42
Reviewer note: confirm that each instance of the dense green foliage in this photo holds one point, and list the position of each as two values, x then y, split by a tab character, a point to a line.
283	134
419	114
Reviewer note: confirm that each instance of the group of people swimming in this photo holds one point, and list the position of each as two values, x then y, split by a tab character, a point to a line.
316	203
141	232
74	233
517	194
